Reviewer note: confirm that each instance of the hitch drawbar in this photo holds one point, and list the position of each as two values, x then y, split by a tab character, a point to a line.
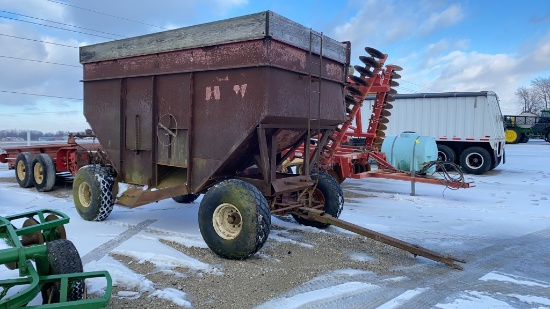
321	216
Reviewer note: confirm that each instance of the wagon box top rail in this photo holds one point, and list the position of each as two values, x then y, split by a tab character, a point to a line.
243	28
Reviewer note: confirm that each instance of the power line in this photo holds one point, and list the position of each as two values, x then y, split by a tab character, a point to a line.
97	12
40	95
406	81
18	37
39	24
64	64
55	22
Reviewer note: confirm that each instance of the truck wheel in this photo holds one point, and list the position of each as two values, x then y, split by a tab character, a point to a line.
234	219
328	191
23	169
92	192
475	160
43	172
446	154
186	198
63	258
512	136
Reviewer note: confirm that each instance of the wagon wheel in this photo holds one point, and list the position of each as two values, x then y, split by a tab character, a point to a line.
43	172
234	219
93	192
23	169
329	194
167	129
63	258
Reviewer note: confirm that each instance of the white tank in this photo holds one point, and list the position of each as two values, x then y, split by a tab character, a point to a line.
525	122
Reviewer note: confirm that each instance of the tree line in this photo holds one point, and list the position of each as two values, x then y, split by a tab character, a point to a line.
536	97
35	134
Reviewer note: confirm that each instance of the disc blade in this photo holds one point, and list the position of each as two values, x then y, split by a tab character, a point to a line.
363	71
358	80
392	91
395	76
35	238
350	100
395	67
353	90
385	113
374	52
394	83
59	230
382	127
383	120
389	98
369	61
388	106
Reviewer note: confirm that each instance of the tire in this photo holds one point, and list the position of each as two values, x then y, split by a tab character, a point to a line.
247	207
524	139
43	171
186	198
547	136
23	170
475	160
512	136
93	192
446	154
328	190
495	163
63	258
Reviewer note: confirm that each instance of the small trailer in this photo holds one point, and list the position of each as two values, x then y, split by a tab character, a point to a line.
467	126
37	165
216	109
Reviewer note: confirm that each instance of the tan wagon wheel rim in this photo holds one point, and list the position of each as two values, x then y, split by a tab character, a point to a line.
21	170
38	173
227	221
85	194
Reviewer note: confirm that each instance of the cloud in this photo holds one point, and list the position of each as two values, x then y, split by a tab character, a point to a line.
438	20
458	70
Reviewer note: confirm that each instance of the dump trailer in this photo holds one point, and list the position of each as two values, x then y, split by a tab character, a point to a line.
467	126
215	109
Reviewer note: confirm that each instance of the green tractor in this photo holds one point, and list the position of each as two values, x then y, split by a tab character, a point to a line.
527	125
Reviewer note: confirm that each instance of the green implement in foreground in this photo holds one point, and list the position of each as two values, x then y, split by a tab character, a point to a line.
57	272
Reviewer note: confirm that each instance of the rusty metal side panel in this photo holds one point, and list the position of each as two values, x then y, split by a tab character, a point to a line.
137	166
228	105
102	111
300	60
241	54
173	96
289	95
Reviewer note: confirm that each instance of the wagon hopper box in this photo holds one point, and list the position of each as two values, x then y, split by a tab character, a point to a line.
215	109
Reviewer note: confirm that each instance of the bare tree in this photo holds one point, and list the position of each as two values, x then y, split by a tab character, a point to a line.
528	99
541	86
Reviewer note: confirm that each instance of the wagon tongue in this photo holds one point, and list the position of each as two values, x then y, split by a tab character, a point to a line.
323	217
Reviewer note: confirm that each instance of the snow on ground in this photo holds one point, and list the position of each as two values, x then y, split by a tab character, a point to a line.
508	208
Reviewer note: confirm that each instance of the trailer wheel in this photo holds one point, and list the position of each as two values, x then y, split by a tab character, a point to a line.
43	172
475	160
234	219
328	191
63	258
93	192
186	198
23	169
446	154
512	136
